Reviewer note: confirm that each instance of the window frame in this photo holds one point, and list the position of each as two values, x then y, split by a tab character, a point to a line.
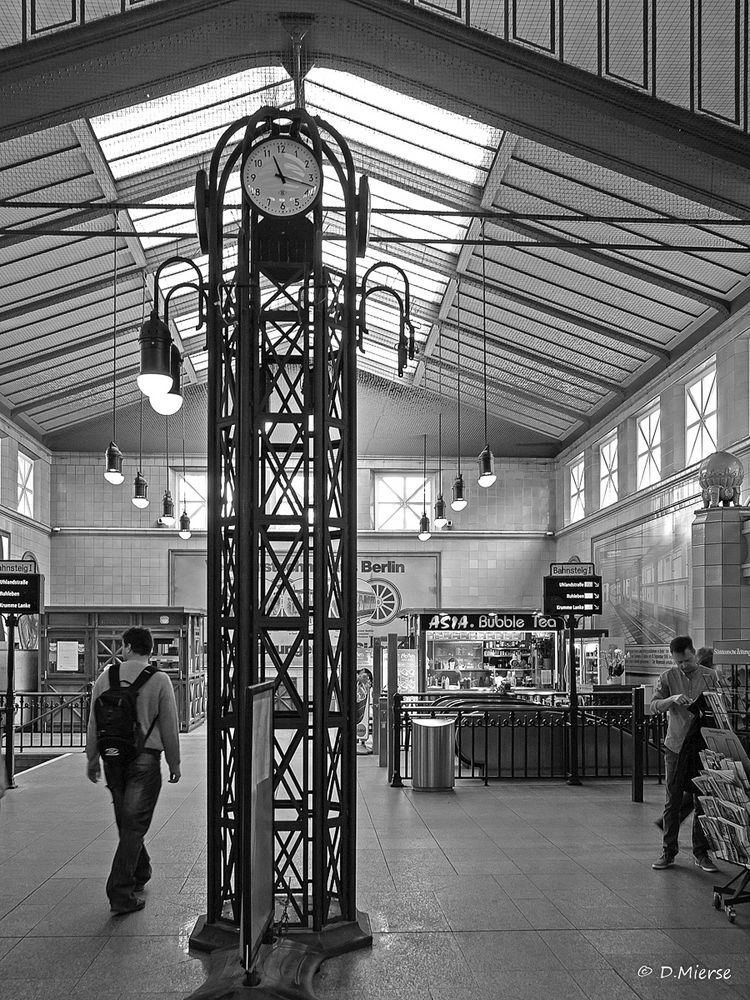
577	497
609	482
415	501
694	453
25	485
644	458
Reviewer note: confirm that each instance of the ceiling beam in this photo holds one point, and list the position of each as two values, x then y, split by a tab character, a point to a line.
118	61
563	315
612	262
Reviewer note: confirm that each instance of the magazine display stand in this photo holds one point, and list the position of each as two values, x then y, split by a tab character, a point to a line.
724	793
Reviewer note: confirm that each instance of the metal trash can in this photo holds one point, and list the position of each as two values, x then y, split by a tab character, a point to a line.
433	754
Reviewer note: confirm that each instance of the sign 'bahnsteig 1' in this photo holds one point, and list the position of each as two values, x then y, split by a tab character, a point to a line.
20	589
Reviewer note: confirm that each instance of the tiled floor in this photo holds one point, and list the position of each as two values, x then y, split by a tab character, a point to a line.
511	891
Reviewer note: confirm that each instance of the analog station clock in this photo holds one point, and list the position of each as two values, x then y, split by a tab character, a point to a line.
282	177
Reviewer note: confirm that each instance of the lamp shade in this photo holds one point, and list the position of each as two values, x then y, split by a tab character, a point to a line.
170	402
185	525
156	342
167	510
424	528
459	500
486	468
140	492
440	520
113	472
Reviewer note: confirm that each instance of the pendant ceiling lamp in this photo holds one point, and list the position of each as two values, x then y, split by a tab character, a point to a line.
113	455
185	531
440	520
140	486
459	500
167	503
424	521
486	459
170	402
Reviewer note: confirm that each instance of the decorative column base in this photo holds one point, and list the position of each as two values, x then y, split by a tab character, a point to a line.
284	969
721	594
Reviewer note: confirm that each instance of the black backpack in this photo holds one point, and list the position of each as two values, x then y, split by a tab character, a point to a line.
119	736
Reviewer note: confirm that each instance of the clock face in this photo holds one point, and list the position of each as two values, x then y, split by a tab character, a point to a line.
281	177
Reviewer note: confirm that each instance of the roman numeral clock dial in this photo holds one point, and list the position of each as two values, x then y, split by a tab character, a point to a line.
282	177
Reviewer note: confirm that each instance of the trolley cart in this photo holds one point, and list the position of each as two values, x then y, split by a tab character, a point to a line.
726	898
726	819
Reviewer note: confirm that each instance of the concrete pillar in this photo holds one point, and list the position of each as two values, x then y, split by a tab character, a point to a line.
721	575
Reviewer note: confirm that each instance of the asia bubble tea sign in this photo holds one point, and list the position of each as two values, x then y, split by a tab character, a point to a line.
20	588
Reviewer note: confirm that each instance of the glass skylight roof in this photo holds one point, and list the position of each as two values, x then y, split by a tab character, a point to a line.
445	151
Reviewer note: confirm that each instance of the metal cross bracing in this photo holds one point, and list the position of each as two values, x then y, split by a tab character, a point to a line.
282	540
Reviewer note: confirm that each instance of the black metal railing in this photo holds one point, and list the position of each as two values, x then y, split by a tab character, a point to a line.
522	740
47	719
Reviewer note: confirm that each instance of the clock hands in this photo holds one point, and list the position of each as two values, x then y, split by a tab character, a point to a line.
279	174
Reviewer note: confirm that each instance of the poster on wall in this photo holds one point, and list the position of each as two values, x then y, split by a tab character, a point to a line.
188	580
388	584
646	589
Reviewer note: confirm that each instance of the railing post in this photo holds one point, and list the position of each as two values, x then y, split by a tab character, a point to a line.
637	731
10	705
396	781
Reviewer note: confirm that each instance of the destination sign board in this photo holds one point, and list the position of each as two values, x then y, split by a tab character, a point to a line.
572	569
20	593
573	595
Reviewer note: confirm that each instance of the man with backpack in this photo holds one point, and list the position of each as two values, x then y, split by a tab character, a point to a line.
133	718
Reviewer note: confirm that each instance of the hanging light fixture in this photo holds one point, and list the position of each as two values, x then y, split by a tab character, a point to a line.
171	401
155	341
440	520
424	521
459	500
185	531
486	460
167	503
140	486
113	455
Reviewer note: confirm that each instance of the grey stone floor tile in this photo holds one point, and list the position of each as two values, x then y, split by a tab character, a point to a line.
491	954
23	918
725	939
573	949
483	915
603	984
413	909
399	962
518	886
145	965
542	914
7	943
594	916
628	941
13	989
738	965
531	984
61	960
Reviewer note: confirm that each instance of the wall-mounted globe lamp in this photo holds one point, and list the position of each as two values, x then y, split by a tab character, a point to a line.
405	346
156	377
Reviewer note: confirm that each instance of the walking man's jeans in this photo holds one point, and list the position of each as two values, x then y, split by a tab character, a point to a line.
135	790
676	783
